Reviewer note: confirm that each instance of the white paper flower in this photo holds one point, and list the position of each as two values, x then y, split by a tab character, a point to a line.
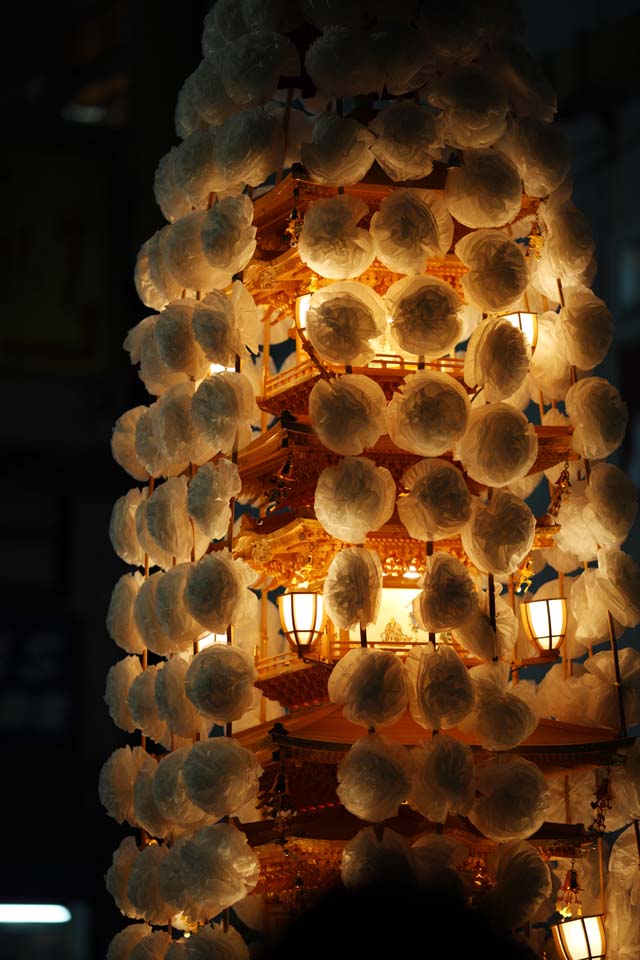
115	784
438	504
147	812
575	535
343	319
428	414
146	618
455	35
223	23
119	679
143	890
425	316
154	284
117	880
122	528
539	151
410	227
209	871
444	778
478	636
249	148
174	707
619	584
369	860
374	778
123	443
153	947
401	54
589	609
448	596
220	776
195	170
371	685
497	358
121	625
500	719
513	801
587	328
353	498
486	191
175	341
549	371
436	858
499	446
612	504
339	151
407	140
216	594
599	417
123	943
143	348
142	704
498	273
347	413
473	105
330	241
209	495
213	942
440	691
219	682
168	520
520	75
227	239
522	881
499	534
183	254
225	325
352	588
207	93
178	440
222	409
341	62
569	244
170	793
251	65
150	449
152	551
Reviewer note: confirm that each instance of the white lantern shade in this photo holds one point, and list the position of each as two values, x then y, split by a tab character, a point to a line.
545	623
527	322
302	619
581	938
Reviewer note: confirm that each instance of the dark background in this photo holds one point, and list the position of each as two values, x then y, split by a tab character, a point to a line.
87	110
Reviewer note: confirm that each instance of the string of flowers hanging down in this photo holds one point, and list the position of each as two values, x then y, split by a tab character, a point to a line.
372	336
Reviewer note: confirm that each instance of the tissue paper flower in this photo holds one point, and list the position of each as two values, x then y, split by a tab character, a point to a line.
354	497
123	443
498	273
142	704
473	105
599	417
121	625
227	239
438	504
178	441
209	495
410	227
341	62
374	778
499	534
425	316
499	446
224	325
124	942
539	151
154	283
219	682
222	409
330	241
612	504
478	636
119	679
339	151
520	75
371	685
115	784
619	584
343	319
513	799
522	881
117	879
168	521
174	707
143	889
251	65
371	860
407	140
216	594
175	341
428	414
347	413
569	244
444	778
587	328
448	596
497	358
401	54
146	617
500	719
220	776
149	449
440	690
249	148
152	550
352	588
549	371
486	191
